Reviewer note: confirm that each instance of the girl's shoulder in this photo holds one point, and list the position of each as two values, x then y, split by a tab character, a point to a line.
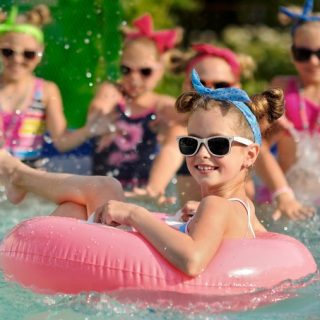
163	101
47	85
215	204
49	88
282	81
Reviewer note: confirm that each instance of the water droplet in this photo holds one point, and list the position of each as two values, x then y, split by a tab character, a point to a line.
47	139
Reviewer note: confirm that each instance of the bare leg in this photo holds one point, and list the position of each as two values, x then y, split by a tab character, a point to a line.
87	191
71	210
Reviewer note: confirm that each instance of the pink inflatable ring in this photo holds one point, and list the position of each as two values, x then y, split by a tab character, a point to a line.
64	255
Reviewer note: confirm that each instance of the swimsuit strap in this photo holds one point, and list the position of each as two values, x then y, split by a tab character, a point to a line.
303	111
247	207
38	90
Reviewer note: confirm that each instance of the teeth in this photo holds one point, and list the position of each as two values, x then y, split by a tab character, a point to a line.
205	168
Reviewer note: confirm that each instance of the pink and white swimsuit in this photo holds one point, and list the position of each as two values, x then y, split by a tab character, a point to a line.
303	113
22	131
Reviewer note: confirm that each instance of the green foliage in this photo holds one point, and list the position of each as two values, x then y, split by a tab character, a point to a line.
269	47
171	84
162	12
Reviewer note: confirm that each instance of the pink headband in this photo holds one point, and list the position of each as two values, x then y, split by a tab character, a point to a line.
164	40
207	50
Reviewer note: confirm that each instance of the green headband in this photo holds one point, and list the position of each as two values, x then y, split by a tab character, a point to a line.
11	26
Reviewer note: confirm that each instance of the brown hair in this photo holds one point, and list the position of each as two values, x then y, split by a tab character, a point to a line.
38	16
266	106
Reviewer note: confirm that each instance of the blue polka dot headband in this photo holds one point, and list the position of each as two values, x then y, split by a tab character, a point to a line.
235	96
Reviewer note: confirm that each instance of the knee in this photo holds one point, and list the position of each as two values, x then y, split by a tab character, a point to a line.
108	186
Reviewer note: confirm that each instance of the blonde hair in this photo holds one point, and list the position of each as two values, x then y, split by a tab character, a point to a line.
143	41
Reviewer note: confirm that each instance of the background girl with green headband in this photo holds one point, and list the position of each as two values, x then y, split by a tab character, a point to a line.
30	106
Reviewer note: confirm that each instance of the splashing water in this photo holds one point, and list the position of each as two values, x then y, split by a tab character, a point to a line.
304	175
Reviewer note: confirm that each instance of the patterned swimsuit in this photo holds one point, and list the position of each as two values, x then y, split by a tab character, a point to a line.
129	157
23	130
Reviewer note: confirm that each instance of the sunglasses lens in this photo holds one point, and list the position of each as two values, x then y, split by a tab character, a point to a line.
146	72
7	53
301	54
220	85
125	70
30	55
188	145
215	85
219	146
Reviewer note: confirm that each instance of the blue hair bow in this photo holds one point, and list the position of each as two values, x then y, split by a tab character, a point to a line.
305	16
236	96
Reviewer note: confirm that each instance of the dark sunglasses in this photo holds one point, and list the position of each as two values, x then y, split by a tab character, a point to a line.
218	146
215	85
304	54
27	54
145	72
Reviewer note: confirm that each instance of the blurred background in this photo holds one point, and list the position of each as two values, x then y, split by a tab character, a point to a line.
83	42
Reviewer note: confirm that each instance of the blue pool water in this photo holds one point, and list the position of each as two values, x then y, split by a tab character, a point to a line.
20	303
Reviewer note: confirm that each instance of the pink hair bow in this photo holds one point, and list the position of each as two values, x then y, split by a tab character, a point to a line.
205	50
164	40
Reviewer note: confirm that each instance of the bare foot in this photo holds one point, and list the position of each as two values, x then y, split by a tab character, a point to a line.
8	168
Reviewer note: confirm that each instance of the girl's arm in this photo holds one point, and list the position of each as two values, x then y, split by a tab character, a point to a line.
56	123
168	161
268	168
189	253
163	169
272	174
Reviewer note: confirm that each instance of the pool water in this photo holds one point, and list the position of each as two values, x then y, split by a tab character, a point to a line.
20	303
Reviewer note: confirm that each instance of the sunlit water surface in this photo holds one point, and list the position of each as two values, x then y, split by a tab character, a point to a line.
20	303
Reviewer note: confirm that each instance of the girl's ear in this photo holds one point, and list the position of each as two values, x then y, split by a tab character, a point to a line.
251	156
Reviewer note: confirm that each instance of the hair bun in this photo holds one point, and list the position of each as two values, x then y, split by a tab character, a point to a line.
40	15
176	60
247	65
